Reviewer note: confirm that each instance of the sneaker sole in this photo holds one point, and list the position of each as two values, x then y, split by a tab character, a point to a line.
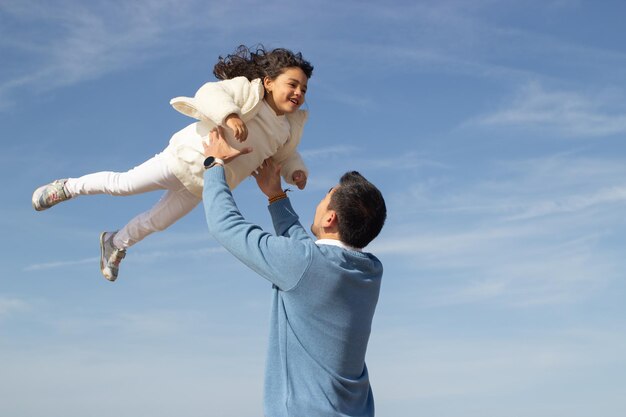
106	274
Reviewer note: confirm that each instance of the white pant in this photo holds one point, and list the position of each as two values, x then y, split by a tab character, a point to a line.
152	175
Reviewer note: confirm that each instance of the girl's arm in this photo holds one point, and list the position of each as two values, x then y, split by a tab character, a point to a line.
291	166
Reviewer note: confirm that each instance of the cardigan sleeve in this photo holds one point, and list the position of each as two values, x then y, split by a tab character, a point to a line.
288	156
215	101
291	164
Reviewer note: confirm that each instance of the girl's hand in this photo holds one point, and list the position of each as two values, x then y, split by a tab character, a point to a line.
239	128
299	177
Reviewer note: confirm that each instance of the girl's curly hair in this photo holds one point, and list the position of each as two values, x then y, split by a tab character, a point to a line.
259	63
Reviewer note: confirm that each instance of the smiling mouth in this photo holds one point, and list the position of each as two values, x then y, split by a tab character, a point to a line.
294	101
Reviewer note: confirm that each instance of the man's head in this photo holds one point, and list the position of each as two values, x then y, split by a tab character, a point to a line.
354	212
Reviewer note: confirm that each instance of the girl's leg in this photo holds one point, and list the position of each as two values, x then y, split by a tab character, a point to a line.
174	204
152	175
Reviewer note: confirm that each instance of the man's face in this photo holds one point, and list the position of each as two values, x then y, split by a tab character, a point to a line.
320	214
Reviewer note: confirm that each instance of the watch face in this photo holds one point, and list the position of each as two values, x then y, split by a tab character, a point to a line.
209	161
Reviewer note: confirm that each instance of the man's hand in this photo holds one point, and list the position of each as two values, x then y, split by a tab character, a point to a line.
239	128
299	177
267	177
219	148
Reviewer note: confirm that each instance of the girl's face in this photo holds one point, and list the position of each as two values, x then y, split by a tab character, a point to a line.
285	93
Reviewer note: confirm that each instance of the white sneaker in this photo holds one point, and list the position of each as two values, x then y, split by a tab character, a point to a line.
50	195
110	256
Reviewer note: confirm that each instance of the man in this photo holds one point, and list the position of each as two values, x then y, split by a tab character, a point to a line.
324	291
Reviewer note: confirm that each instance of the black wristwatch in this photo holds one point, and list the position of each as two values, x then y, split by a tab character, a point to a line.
211	161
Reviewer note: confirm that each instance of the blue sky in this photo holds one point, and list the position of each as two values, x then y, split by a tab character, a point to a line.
495	130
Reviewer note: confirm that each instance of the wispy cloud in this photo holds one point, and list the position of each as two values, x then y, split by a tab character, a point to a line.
463	367
152	323
568	113
9	305
518	189
407	160
59	264
140	256
518	239
477	40
329	152
528	264
90	40
331	92
573	203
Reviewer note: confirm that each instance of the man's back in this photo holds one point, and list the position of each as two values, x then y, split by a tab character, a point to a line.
319	334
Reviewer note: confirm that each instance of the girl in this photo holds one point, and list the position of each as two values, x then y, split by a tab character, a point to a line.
258	98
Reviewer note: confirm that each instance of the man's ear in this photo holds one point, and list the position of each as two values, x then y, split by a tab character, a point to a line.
330	219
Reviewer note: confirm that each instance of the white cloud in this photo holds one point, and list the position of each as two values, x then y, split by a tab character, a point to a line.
91	40
516	266
329	152
140	256
573	203
11	305
133	324
59	264
568	113
168	377
519	189
532	232
426	365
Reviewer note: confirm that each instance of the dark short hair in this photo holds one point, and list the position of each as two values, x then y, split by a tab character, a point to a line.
360	208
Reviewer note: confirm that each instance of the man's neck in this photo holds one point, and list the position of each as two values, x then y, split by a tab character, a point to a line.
328	235
335	242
